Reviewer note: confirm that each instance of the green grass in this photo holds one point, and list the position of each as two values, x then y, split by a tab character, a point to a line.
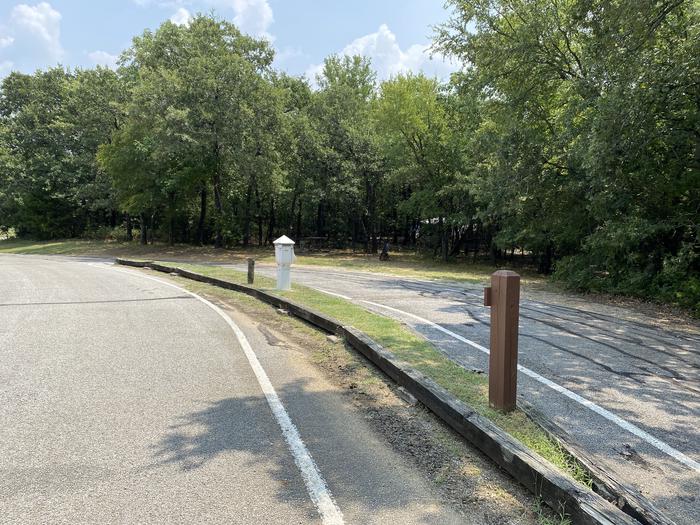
118	249
71	247
408	265
470	387
546	517
404	264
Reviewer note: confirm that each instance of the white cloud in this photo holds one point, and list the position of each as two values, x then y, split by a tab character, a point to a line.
40	24
181	17
5	67
253	16
388	59
6	41
312	72
287	53
102	58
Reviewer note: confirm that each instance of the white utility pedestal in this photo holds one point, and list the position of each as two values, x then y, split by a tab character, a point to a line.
284	256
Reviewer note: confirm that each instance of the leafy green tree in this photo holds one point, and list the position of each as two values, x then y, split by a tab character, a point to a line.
352	180
300	138
572	132
52	123
413	116
587	148
200	96
92	111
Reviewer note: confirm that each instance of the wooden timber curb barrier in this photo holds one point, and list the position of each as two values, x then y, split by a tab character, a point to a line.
556	489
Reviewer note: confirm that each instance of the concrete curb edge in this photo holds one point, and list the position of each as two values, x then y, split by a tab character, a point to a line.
556	489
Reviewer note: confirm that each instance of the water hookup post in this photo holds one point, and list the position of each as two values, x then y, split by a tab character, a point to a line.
503	296
284	257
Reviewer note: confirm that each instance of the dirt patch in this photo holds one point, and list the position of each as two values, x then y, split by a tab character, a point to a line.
464	478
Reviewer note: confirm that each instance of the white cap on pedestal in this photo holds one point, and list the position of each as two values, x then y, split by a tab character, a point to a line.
284	241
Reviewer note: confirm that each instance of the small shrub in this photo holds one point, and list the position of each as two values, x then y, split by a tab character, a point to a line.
677	282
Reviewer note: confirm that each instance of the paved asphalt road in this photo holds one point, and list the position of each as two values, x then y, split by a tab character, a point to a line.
124	400
626	389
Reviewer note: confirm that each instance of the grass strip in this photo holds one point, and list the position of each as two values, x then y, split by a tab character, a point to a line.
470	387
72	247
403	264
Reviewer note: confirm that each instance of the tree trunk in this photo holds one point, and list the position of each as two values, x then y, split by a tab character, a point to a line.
320	219
353	237
458	239
129	228
202	215
395	235
295	196
151	227
218	240
407	227
260	229
144	228
545	263
371	213
247	217
477	240
259	217
270	223
443	240
171	218
365	230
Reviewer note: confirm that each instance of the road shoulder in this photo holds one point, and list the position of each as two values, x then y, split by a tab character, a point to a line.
454	478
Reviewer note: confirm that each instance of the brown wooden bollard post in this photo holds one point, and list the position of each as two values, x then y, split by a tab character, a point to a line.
251	271
503	296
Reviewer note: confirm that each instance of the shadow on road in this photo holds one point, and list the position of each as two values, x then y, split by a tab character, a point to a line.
242	431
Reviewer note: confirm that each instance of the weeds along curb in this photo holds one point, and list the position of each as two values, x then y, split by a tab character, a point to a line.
557	490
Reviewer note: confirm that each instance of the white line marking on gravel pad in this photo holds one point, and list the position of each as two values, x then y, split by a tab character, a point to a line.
629	427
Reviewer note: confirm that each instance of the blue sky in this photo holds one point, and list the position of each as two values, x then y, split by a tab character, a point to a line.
395	34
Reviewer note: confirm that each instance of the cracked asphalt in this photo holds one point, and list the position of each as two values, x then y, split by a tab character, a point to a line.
620	362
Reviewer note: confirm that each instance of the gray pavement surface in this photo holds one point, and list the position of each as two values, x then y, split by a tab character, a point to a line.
622	362
123	400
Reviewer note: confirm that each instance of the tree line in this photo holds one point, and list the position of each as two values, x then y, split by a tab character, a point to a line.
569	137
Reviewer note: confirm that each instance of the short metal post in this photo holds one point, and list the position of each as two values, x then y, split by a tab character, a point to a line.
503	296
251	271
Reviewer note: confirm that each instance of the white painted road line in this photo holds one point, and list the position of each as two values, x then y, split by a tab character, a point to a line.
335	294
315	484
434	325
629	427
